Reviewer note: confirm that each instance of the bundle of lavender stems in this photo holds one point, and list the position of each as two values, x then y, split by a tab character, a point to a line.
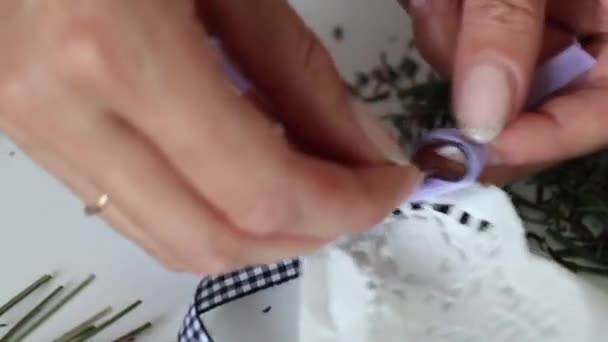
40	312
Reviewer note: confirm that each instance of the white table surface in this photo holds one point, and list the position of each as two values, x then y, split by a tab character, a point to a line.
43	230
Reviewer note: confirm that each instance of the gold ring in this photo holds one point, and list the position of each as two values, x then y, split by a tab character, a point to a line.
98	207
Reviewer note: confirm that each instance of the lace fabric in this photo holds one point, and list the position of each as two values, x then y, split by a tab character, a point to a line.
424	276
454	269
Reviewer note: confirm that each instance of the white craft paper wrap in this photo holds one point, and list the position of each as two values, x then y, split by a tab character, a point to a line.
425	276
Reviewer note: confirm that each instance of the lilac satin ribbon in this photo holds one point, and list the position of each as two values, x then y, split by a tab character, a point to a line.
556	73
230	70
475	156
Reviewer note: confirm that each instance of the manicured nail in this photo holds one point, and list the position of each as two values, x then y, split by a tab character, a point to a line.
485	102
420	5
417	7
380	135
452	153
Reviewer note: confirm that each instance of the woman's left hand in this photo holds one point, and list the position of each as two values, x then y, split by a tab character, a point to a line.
491	48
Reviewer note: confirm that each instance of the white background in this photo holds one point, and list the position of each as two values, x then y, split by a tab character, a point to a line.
42	228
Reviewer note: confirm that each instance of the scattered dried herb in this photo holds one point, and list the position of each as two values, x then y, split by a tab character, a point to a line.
571	204
267	309
48	307
568	207
392	39
424	104
338	33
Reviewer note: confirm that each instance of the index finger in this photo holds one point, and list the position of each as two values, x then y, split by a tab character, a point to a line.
497	52
568	126
231	153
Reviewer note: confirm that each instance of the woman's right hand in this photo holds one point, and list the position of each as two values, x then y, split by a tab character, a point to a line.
126	101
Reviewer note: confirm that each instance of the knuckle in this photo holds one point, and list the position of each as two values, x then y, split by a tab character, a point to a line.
518	14
19	101
81	47
318	70
14	94
82	56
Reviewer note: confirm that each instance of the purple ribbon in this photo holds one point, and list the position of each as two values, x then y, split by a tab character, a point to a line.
555	74
475	156
230	70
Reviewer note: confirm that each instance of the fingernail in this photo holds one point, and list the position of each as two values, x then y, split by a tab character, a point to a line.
418	6
485	102
452	153
380	135
418	181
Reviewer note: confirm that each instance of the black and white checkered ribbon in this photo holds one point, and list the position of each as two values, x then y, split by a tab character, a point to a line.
213	292
217	291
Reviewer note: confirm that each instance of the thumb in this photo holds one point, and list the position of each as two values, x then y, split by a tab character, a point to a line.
496	56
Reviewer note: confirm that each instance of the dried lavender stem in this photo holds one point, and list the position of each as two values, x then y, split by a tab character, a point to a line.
31	314
111	320
134	333
80	328
593	210
600	248
83	335
24	293
525	202
57	307
540	194
575	268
